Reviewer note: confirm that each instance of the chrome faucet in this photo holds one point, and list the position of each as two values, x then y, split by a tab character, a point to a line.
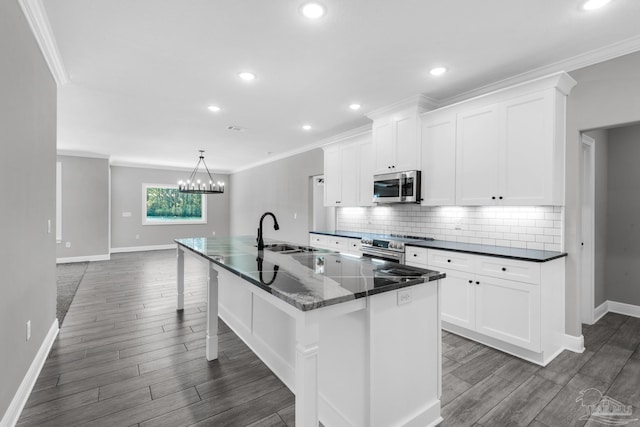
275	227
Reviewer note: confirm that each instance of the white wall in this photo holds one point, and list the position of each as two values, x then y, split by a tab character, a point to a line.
281	187
27	185
85	207
623	219
607	94
126	196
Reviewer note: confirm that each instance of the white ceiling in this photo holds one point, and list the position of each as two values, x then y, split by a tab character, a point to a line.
142	73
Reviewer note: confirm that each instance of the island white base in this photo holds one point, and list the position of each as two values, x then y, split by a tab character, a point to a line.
368	362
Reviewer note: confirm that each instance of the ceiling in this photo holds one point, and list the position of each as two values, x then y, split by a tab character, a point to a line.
142	73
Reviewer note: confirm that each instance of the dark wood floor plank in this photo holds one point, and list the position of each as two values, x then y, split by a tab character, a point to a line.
479	368
606	363
565	366
272	420
252	411
84	415
38	413
217	404
452	387
60	391
628	334
612	320
517	370
626	386
85	363
471	405
139	413
521	407
596	336
288	415
563	410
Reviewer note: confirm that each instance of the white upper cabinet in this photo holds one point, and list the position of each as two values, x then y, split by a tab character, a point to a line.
395	143
348	173
477	167
438	159
511	151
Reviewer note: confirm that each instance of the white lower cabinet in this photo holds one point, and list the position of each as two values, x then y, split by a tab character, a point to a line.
346	245
515	306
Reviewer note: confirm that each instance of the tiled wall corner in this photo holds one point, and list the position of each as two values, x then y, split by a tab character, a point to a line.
530	227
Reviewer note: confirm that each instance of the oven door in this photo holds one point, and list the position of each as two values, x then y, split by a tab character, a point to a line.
387	188
383	255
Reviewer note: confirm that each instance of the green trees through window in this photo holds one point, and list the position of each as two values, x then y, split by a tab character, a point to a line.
168	205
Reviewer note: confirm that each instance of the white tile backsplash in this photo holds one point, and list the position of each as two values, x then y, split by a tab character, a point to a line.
532	227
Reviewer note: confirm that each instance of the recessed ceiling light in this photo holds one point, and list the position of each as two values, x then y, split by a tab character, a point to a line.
306	127
213	108
313	10
595	4
438	71
355	106
245	75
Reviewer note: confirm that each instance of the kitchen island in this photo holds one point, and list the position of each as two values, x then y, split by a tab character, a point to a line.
356	340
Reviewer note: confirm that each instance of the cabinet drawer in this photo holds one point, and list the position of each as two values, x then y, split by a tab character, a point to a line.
318	240
452	260
354	245
509	269
415	256
340	244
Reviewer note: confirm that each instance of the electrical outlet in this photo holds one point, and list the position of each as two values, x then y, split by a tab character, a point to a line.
126	214
213	233
404	296
67	245
28	330
137	237
295	215
49	226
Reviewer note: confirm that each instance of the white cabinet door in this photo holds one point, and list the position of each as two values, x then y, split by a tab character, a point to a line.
458	296
438	159
508	311
477	166
349	172
365	185
527	174
384	150
406	143
332	176
318	240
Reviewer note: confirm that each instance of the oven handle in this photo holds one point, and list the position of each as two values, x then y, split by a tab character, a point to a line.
383	254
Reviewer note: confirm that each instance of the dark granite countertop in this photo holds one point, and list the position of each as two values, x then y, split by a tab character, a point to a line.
307	280
532	255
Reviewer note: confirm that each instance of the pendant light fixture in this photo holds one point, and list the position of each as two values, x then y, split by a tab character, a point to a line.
207	185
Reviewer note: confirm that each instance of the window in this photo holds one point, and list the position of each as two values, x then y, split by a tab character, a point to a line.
165	205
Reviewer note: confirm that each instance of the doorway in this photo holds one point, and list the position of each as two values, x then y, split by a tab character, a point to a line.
587	232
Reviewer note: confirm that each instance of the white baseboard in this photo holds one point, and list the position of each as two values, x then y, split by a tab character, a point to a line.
600	311
89	258
575	344
143	248
622	308
12	415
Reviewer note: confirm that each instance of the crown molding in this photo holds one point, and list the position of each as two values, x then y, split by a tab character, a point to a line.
128	164
318	144
592	57
77	153
420	103
36	15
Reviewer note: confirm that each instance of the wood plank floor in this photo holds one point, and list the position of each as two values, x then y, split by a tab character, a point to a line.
125	357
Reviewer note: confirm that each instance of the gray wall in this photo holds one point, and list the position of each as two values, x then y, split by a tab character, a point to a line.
600	213
27	185
607	94
126	196
85	207
281	187
623	247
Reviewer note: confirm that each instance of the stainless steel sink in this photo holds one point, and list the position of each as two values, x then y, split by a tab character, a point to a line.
288	249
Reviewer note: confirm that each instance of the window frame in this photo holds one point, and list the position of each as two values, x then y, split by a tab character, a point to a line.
147	221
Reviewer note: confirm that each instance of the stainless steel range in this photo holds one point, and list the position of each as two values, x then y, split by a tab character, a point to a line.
388	248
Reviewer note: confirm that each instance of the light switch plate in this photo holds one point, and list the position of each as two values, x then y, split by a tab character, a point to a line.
404	296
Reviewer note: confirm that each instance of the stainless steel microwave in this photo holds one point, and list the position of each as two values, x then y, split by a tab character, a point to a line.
397	187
